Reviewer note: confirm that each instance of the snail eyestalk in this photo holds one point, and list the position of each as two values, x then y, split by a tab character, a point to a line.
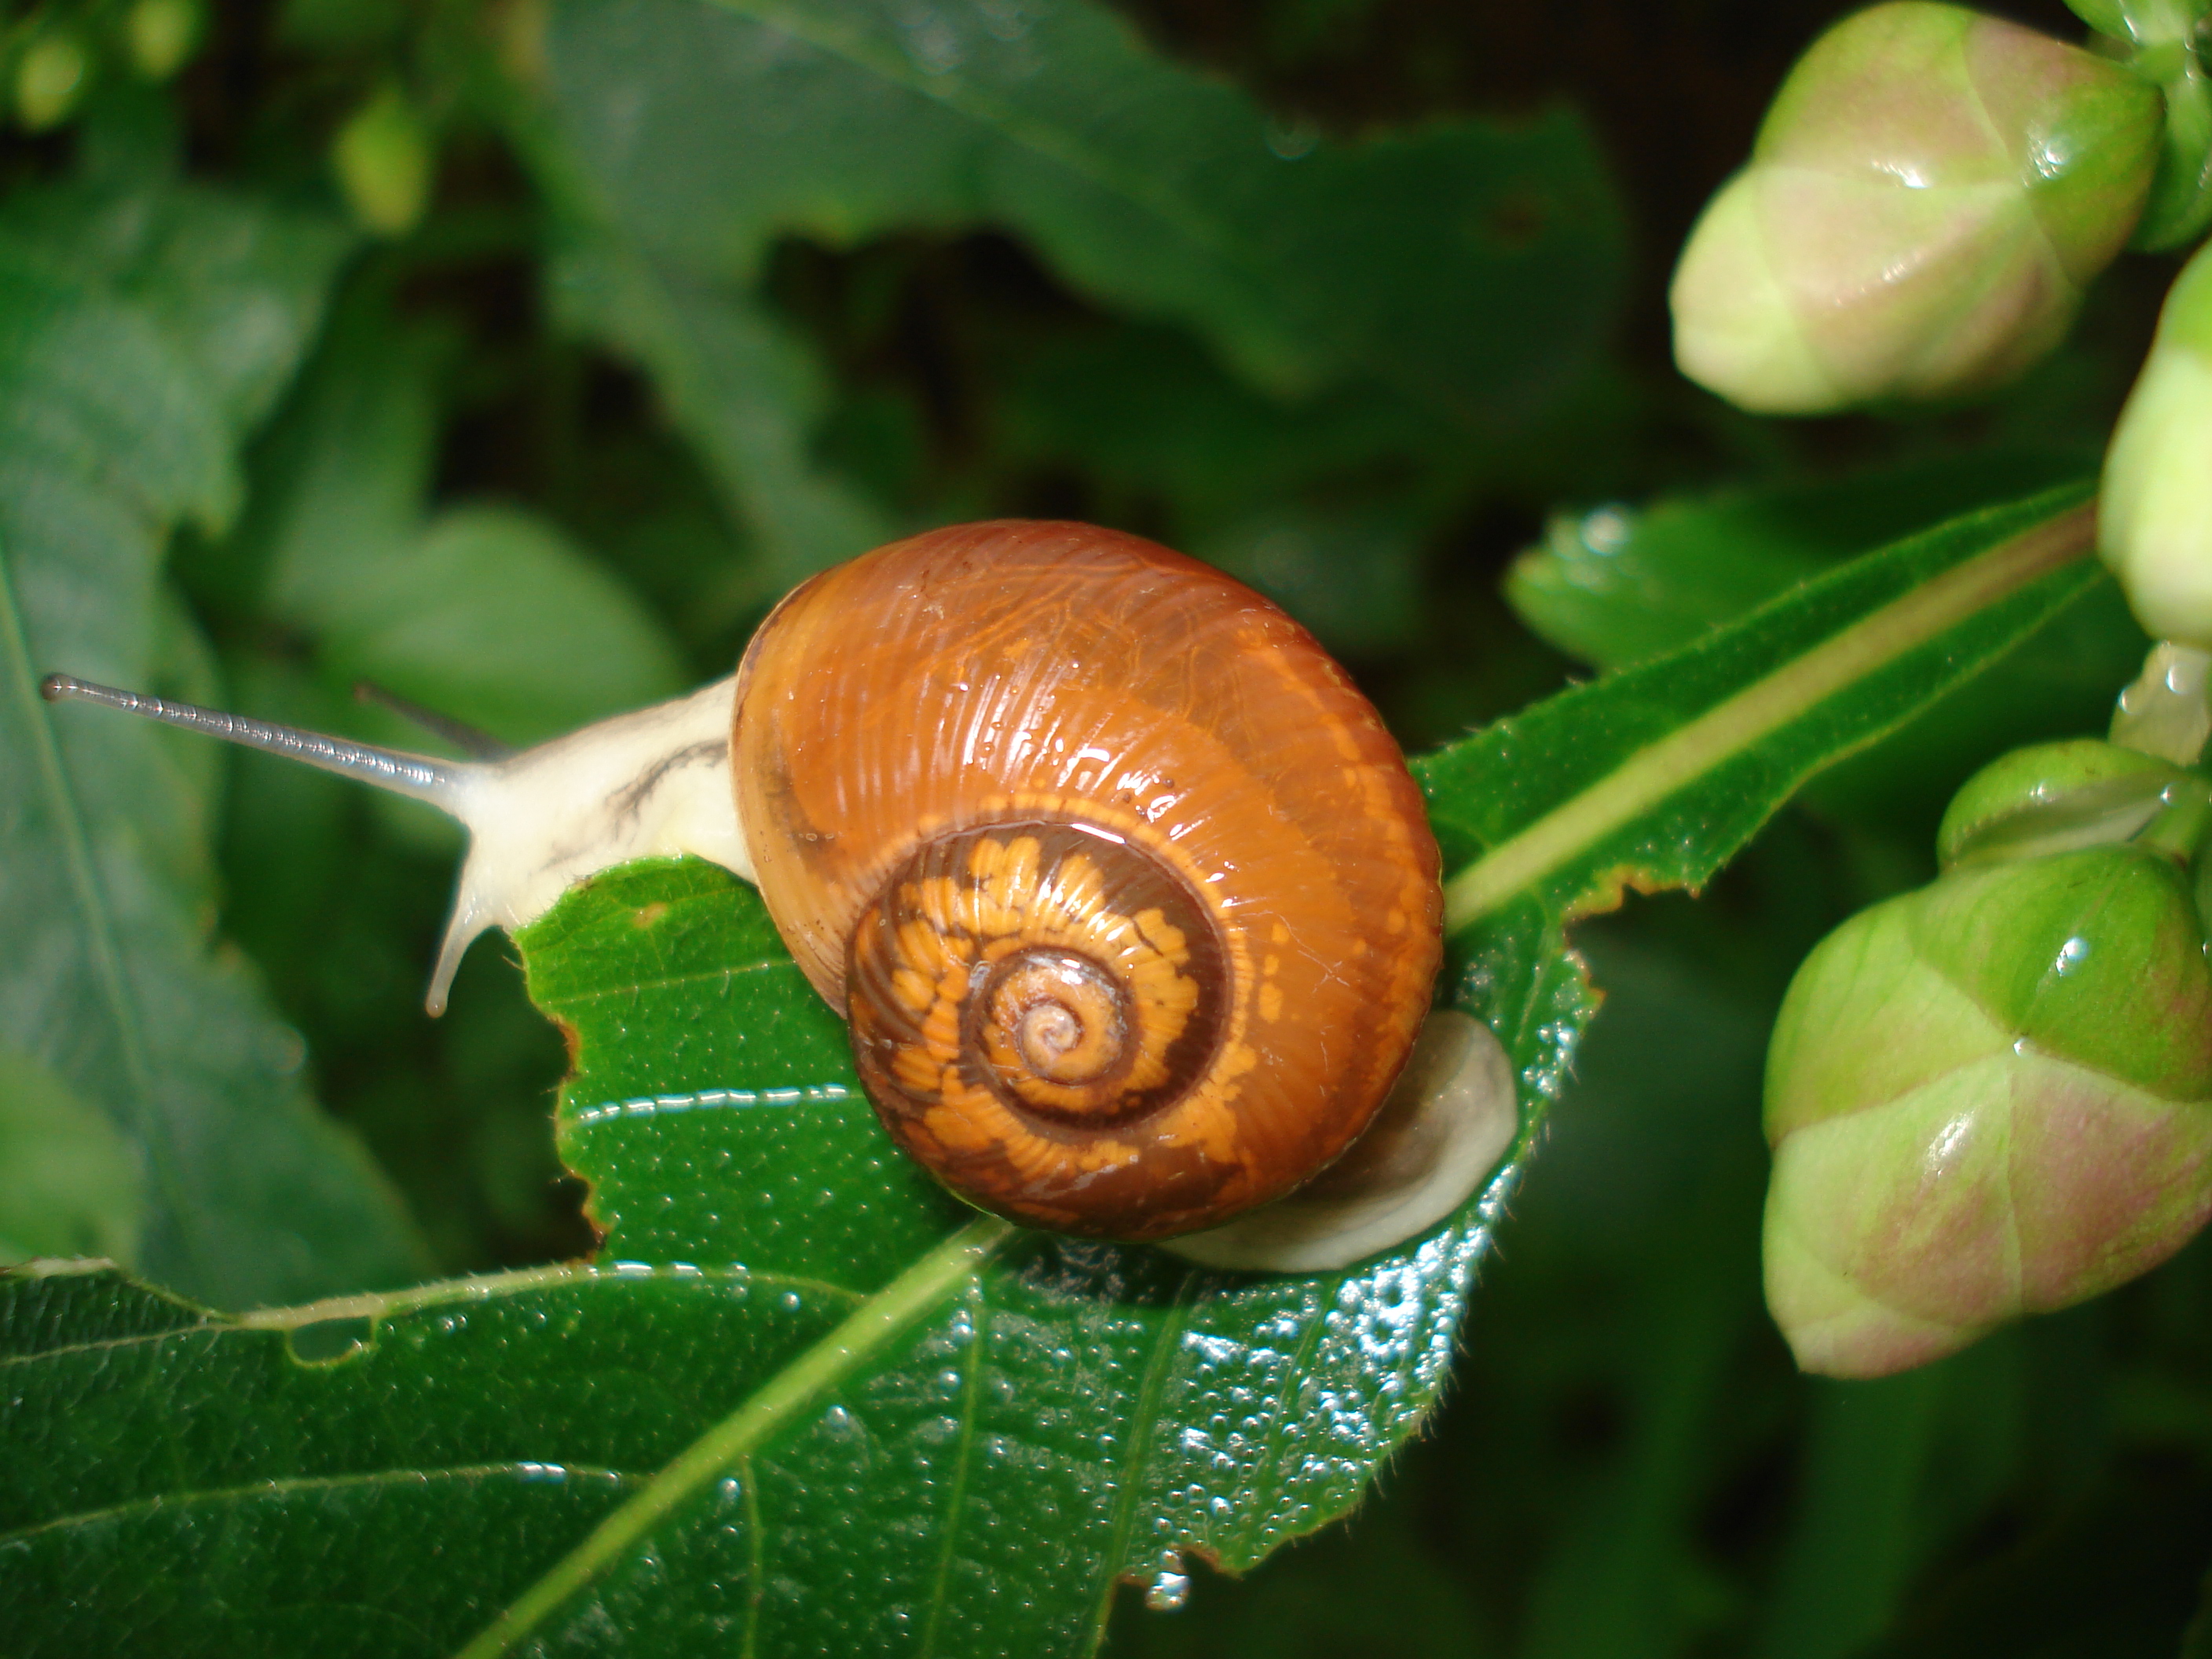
475	744
651	784
419	777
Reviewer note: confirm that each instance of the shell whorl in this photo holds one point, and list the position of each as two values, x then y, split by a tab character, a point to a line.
1129	899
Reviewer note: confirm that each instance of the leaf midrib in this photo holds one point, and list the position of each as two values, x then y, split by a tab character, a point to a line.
482	1290
1733	726
972	1397
103	945
1166	1339
765	1413
253	1491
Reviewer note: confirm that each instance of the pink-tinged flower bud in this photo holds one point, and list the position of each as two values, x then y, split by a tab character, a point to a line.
1930	195
1988	1098
2154	517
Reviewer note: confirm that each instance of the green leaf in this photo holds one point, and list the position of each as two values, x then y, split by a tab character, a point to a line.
494	615
67	1183
1325	506
485	613
1618	586
802	1404
1654	776
140	331
2115	1574
716	129
679	141
737	383
1145	410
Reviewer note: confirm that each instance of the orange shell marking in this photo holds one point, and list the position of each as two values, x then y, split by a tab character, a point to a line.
1133	900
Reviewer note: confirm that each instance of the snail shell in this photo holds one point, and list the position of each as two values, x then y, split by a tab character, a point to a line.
1127	897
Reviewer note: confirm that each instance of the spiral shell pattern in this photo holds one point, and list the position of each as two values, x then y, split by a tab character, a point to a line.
1131	903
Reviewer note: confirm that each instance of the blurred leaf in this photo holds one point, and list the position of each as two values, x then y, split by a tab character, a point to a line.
872	1424
2196	1640
1663	1178
1617	584
1353	576
492	615
67	1183
234	286
1848	1559
739	385
716	129
139	330
487	614
2114	1577
679	141
1145	409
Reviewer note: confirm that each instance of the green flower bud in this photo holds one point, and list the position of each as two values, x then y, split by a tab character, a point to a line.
2180	206
2140	21
1930	195
2056	796
162	35
384	158
2105	16
50	78
2154	516
2166	41
1988	1098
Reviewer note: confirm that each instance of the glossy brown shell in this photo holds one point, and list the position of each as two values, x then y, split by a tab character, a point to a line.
1132	899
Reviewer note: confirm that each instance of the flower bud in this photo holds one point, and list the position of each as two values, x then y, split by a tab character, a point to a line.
50	78
1988	1098
162	35
2056	797
2165	42
1929	197
2154	517
384	158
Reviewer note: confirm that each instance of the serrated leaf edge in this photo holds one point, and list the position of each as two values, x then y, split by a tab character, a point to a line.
1759	710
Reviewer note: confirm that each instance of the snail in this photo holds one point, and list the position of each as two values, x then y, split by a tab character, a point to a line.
1128	899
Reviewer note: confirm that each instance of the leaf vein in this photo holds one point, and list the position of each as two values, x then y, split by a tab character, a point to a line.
971	1395
256	1490
1165	1341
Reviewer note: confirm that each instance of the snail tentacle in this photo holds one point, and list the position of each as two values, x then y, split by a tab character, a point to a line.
653	783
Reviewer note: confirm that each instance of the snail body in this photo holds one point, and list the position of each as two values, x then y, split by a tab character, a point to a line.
1126	894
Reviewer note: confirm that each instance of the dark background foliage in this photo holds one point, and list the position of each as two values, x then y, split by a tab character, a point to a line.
1627	1464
